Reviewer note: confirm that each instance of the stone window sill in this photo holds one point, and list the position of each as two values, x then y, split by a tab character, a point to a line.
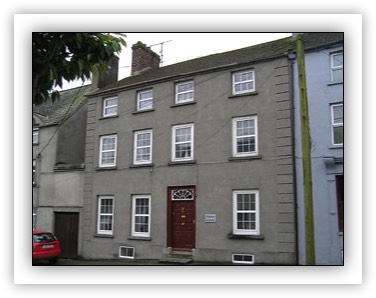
108	117
175	105
183	162
142	111
106	168
249	237
245	158
139	238
243	94
334	83
103	236
144	165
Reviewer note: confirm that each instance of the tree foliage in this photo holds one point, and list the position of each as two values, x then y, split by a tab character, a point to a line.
69	56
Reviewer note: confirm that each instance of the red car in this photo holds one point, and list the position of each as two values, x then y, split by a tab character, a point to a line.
45	247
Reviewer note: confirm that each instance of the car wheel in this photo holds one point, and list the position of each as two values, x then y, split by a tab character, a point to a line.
53	261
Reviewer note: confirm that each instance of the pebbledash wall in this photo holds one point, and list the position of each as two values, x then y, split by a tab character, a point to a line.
214	174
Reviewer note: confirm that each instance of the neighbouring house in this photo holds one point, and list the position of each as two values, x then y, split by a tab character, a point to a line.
59	136
194	158
58	167
324	75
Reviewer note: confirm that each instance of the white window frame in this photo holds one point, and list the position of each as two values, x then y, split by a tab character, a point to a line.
243	262
174	143
100	214
235	137
256	230
135	147
177	93
335	68
127	248
35	136
134	215
101	151
139	100
242	82
334	125
105	107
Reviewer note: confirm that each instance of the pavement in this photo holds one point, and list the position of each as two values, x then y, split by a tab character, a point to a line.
129	262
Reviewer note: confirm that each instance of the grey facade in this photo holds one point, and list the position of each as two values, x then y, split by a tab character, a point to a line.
325	91
129	204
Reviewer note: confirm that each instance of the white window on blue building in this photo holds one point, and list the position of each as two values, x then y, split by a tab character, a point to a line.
336	67
337	124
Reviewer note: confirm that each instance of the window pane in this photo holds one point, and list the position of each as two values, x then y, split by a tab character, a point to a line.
338	134
185	87
142	206
108	157
112	110
246	202
106	206
337	114
337	60
183	134
35	136
146	104
185	96
246	221
183	150
146	95
245	145
108	143
142	224
110	102
245	127
143	154
143	139
105	222
337	74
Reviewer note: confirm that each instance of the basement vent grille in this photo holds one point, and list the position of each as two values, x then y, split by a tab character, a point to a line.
126	252
243	259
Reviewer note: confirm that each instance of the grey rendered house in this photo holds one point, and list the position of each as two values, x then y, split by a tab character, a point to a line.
194	158
58	167
324	72
59	138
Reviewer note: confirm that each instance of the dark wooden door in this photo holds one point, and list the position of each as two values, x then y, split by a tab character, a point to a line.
66	230
182	218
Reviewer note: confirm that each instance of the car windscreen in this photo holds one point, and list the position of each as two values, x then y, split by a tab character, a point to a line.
45	237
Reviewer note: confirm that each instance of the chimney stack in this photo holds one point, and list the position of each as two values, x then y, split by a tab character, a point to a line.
143	58
111	75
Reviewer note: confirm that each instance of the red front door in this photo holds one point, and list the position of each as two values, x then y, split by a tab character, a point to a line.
182	222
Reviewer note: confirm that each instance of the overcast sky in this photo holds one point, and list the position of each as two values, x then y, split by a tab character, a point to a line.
180	47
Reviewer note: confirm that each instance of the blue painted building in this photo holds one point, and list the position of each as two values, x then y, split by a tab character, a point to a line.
324	73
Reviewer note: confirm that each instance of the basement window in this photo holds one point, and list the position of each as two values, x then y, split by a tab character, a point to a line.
126	252
243	259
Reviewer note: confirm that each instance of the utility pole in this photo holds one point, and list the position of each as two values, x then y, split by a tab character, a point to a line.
306	155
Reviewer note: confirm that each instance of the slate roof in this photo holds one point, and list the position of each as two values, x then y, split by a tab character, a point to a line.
53	113
319	40
256	53
259	52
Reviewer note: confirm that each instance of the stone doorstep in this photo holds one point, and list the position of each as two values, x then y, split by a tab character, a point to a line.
177	258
